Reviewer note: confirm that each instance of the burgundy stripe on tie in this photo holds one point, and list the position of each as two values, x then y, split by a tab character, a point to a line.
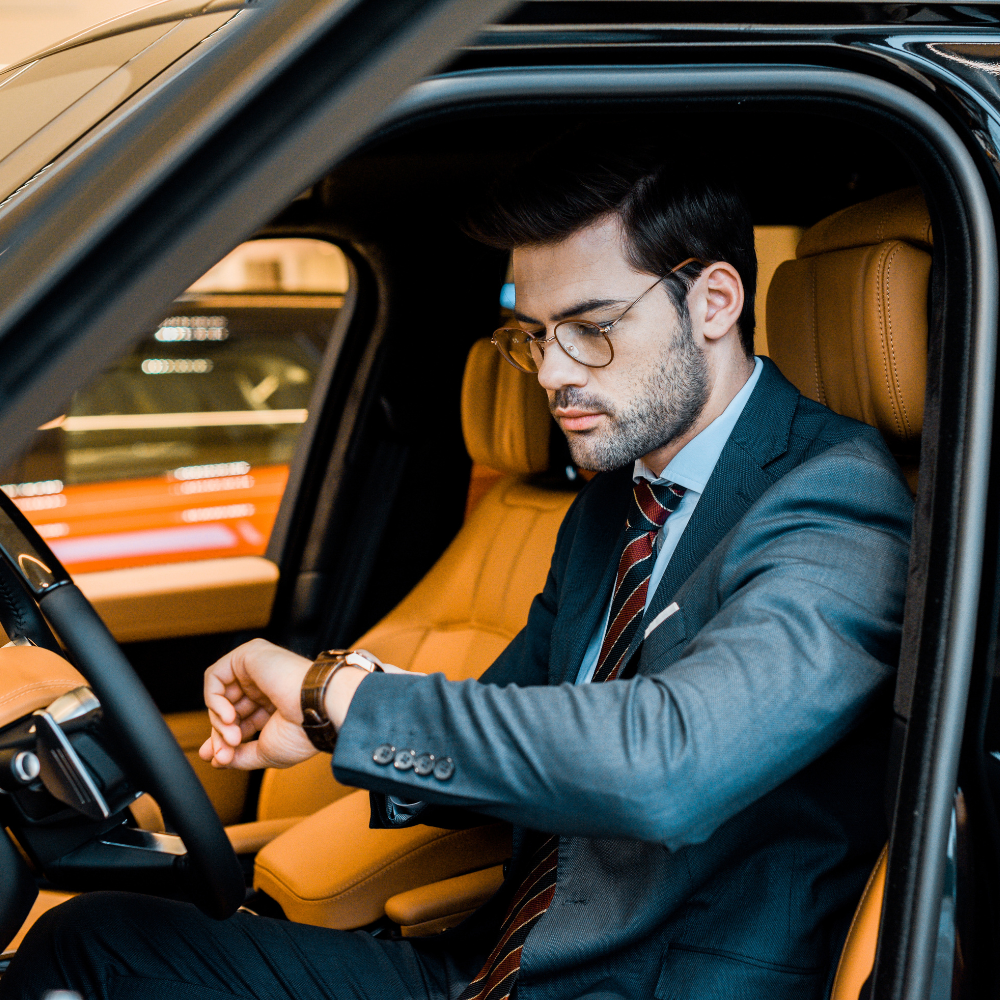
653	505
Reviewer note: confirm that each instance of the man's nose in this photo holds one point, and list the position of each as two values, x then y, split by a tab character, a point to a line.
558	369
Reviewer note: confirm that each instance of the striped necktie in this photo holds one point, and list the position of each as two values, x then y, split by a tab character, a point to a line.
653	505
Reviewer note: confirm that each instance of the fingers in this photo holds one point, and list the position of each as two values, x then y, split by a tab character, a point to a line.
244	757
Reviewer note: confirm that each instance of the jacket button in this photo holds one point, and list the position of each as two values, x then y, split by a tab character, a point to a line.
424	764
383	755
444	768
404	760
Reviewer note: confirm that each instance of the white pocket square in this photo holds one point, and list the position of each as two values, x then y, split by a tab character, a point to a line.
661	618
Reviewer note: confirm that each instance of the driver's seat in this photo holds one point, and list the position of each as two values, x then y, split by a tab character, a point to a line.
847	324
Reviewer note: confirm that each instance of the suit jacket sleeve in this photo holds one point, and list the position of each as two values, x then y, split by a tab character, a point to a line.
802	609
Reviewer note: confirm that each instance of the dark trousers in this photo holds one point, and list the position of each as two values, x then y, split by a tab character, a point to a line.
120	946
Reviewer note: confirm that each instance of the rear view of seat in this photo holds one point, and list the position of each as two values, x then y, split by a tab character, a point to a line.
847	324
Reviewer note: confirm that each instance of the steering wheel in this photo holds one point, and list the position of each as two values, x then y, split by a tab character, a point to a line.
32	581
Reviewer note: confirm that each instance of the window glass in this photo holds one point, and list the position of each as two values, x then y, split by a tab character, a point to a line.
180	450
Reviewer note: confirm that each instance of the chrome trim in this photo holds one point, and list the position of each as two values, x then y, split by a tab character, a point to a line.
72	705
64	775
145	840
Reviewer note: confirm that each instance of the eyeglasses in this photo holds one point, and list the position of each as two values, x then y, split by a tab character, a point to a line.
585	342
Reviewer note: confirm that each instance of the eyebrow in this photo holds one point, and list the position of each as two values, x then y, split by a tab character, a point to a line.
581	307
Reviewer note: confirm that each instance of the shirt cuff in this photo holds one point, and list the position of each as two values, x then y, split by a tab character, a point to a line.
399	811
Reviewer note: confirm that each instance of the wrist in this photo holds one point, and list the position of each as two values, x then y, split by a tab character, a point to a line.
340	693
326	695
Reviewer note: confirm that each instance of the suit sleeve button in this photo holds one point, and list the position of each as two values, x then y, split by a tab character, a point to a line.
383	755
404	760
444	768
424	764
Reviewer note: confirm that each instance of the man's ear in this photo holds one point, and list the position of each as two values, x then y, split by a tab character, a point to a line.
716	300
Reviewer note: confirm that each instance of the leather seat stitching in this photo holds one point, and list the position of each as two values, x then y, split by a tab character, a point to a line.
815	323
898	394
35	686
882	310
406	855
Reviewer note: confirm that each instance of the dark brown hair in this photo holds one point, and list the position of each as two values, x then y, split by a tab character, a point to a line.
667	211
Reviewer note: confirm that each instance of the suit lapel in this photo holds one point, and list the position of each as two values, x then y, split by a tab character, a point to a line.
738	480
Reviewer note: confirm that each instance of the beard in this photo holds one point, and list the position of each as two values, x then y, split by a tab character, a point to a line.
665	403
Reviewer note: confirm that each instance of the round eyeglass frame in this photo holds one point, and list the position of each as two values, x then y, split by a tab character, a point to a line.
604	329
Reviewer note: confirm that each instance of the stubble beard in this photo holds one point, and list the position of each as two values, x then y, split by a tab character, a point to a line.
667	401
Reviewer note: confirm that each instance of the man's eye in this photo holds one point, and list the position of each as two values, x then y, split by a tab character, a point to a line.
582	331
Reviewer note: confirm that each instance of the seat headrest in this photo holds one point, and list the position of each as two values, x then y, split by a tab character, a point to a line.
847	320
505	414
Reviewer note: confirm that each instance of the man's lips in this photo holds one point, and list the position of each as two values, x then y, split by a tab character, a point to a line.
578	420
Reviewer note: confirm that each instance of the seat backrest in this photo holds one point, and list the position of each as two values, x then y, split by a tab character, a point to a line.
847	319
475	598
847	324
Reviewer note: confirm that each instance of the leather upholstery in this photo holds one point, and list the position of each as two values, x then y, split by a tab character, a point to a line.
858	957
456	621
31	678
331	870
433	908
505	415
774	245
847	320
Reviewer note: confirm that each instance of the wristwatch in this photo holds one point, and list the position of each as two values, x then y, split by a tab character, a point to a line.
315	721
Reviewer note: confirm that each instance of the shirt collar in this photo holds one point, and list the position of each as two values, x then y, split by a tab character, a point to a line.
692	466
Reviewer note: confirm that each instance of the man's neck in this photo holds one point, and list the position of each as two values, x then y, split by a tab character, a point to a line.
725	388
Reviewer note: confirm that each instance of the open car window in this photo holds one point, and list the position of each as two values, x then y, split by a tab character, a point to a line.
180	450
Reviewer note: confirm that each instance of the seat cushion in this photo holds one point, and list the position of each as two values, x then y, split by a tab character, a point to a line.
331	870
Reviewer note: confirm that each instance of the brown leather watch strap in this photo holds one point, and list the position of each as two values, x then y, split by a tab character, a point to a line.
315	722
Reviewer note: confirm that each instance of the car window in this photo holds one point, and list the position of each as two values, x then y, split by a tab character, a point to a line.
180	450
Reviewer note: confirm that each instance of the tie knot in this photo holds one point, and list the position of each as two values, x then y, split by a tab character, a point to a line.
654	503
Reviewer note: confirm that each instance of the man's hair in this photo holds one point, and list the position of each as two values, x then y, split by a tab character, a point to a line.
667	212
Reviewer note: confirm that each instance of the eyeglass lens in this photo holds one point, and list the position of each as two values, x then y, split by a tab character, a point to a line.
583	342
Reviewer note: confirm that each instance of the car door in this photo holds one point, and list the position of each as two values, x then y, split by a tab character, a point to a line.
103	185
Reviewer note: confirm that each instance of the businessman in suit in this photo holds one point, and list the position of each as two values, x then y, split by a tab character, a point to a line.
688	735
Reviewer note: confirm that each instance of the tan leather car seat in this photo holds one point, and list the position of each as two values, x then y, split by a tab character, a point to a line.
475	599
847	324
456	621
847	319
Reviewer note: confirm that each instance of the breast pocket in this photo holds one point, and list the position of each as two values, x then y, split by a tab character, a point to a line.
664	642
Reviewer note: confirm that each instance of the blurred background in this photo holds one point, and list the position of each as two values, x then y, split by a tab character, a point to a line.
29	25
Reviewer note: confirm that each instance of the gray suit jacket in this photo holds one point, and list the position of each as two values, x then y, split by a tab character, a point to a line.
719	810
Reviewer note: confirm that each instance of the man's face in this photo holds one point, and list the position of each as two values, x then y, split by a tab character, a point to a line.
658	383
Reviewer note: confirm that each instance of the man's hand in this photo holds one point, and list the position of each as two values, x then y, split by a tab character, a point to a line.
256	689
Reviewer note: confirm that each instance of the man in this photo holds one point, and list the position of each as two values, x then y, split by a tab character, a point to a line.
688	735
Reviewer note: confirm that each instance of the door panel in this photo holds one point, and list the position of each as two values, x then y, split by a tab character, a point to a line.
181	599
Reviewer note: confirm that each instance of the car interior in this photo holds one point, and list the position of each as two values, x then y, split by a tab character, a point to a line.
428	484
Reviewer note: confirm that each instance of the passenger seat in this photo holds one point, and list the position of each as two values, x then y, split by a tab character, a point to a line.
456	621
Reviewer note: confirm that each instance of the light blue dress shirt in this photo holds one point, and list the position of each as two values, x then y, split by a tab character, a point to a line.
691	467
